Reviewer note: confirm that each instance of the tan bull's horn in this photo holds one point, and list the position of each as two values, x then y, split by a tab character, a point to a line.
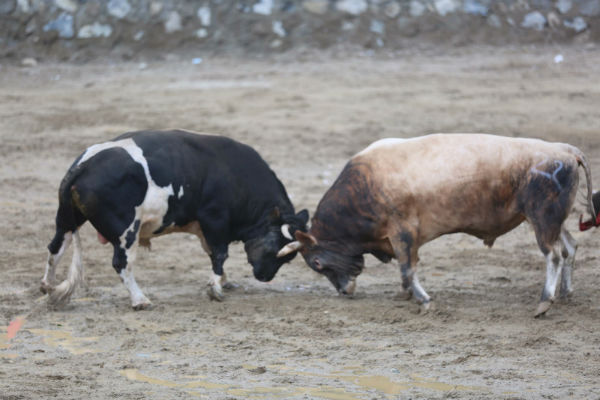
285	231
289	248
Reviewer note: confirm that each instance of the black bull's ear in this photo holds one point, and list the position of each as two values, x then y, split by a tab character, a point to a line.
303	216
275	215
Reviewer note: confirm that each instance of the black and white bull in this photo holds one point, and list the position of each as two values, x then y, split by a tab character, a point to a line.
151	183
399	194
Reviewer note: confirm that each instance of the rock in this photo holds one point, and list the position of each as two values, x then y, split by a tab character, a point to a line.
201	33
139	35
476	8
7	6
540	4
94	30
28	62
348	25
173	22
156	8
578	24
278	29
553	20
590	8
63	25
444	7
352	7
204	15
118	8
67	5
534	20
257	370
417	8
24	6
318	7
377	27
392	9
31	26
263	7
564	6
494	20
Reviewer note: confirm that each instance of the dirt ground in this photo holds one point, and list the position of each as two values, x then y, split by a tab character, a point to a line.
294	338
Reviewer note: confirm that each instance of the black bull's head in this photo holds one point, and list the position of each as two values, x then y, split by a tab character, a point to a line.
262	250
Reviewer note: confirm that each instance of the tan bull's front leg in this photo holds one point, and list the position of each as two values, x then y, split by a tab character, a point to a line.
405	250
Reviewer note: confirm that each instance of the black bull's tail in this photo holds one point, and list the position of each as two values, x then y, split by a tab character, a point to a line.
68	216
595	219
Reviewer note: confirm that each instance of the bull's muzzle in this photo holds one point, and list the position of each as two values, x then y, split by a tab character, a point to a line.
349	287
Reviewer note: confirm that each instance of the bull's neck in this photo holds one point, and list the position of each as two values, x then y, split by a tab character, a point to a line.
252	225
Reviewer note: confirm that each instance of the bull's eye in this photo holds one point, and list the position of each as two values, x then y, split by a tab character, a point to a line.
318	264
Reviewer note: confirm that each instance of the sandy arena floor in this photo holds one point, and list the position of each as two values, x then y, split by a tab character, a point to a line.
294	338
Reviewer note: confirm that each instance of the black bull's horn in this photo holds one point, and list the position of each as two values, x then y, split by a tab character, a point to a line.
289	248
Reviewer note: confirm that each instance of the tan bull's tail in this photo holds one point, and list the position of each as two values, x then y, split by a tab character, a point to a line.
595	219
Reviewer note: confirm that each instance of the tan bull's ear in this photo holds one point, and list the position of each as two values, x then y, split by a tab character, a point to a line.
305	238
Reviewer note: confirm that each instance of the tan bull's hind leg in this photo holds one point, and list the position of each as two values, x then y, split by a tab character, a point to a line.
554	265
406	254
569	248
62	293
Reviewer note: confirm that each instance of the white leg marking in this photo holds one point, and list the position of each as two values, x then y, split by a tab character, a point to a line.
53	260
218	281
215	287
420	294
566	286
138	300
62	293
553	271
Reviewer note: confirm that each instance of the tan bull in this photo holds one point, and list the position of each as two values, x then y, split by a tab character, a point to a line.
399	194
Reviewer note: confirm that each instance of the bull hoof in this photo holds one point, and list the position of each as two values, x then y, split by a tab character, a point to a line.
142	306
404	295
214	293
425	307
230	286
542	308
45	288
566	294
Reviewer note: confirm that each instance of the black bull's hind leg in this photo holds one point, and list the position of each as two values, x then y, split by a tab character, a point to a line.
546	202
123	259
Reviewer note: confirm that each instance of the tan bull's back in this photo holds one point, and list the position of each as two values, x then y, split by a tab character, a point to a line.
441	158
440	178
